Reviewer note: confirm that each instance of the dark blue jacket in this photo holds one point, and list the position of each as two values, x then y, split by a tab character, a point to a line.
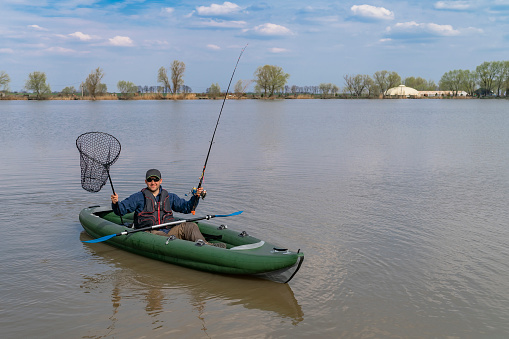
137	203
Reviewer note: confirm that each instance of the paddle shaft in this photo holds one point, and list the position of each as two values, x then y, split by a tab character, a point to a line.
208	217
215	129
172	223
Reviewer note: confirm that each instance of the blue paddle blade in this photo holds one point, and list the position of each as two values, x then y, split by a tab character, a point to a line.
229	215
106	237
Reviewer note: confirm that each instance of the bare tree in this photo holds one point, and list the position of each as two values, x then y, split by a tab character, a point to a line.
371	88
177	74
240	87
385	80
162	78
93	84
452	81
4	80
356	84
394	79
334	90
176	80
431	85
325	88
382	81
470	82
37	83
349	84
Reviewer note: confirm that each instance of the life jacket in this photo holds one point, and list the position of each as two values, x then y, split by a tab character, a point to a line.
154	212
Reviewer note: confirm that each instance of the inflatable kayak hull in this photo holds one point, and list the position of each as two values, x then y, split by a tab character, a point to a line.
245	255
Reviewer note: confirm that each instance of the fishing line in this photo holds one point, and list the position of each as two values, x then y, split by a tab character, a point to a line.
215	129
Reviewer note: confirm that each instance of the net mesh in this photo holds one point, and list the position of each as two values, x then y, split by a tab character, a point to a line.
98	151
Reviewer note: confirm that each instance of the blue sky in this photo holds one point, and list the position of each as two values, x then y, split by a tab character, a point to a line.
314	41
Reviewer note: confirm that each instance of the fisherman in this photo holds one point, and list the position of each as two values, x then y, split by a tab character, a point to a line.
154	205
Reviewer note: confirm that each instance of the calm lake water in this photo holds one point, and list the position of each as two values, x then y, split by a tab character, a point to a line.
400	206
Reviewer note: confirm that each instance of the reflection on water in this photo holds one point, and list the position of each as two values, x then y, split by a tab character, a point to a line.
161	287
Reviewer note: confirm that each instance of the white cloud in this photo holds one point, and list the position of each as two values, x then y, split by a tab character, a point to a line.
269	29
222	24
325	19
227	8
168	10
473	30
444	30
121	41
159	45
213	47
60	50
37	27
419	30
372	12
6	50
453	5
278	50
81	36
156	42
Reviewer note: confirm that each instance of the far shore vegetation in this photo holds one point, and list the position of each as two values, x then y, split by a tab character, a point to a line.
488	80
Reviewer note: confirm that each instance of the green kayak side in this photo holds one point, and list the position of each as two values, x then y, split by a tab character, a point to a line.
244	254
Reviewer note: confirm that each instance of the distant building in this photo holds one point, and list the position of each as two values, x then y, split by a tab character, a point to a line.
442	93
402	92
408	92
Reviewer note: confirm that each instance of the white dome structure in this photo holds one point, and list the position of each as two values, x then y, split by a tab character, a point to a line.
402	90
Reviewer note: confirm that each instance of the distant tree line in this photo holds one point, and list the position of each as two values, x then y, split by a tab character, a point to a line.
489	78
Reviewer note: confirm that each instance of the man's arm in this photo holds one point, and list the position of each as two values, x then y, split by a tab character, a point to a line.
133	203
181	205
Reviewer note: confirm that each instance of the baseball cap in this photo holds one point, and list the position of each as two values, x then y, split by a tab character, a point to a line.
153	173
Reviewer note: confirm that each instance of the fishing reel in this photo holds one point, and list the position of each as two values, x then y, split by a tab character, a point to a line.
194	190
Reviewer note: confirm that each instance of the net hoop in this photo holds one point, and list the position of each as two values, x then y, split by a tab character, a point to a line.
98	151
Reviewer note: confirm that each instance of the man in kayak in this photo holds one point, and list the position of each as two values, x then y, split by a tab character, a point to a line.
154	205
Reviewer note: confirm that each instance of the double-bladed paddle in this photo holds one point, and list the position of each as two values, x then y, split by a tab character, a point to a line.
207	217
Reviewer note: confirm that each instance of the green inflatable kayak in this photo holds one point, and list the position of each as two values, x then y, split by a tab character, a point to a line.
244	254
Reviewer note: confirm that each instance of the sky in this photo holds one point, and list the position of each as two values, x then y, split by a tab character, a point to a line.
313	41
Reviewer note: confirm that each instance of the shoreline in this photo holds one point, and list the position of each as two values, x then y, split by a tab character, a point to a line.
193	96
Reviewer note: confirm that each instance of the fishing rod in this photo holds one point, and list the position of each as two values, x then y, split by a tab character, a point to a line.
213	135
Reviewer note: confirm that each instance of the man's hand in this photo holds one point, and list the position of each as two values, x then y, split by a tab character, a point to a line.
114	198
200	192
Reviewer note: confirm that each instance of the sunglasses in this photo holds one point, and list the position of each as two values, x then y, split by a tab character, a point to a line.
153	179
